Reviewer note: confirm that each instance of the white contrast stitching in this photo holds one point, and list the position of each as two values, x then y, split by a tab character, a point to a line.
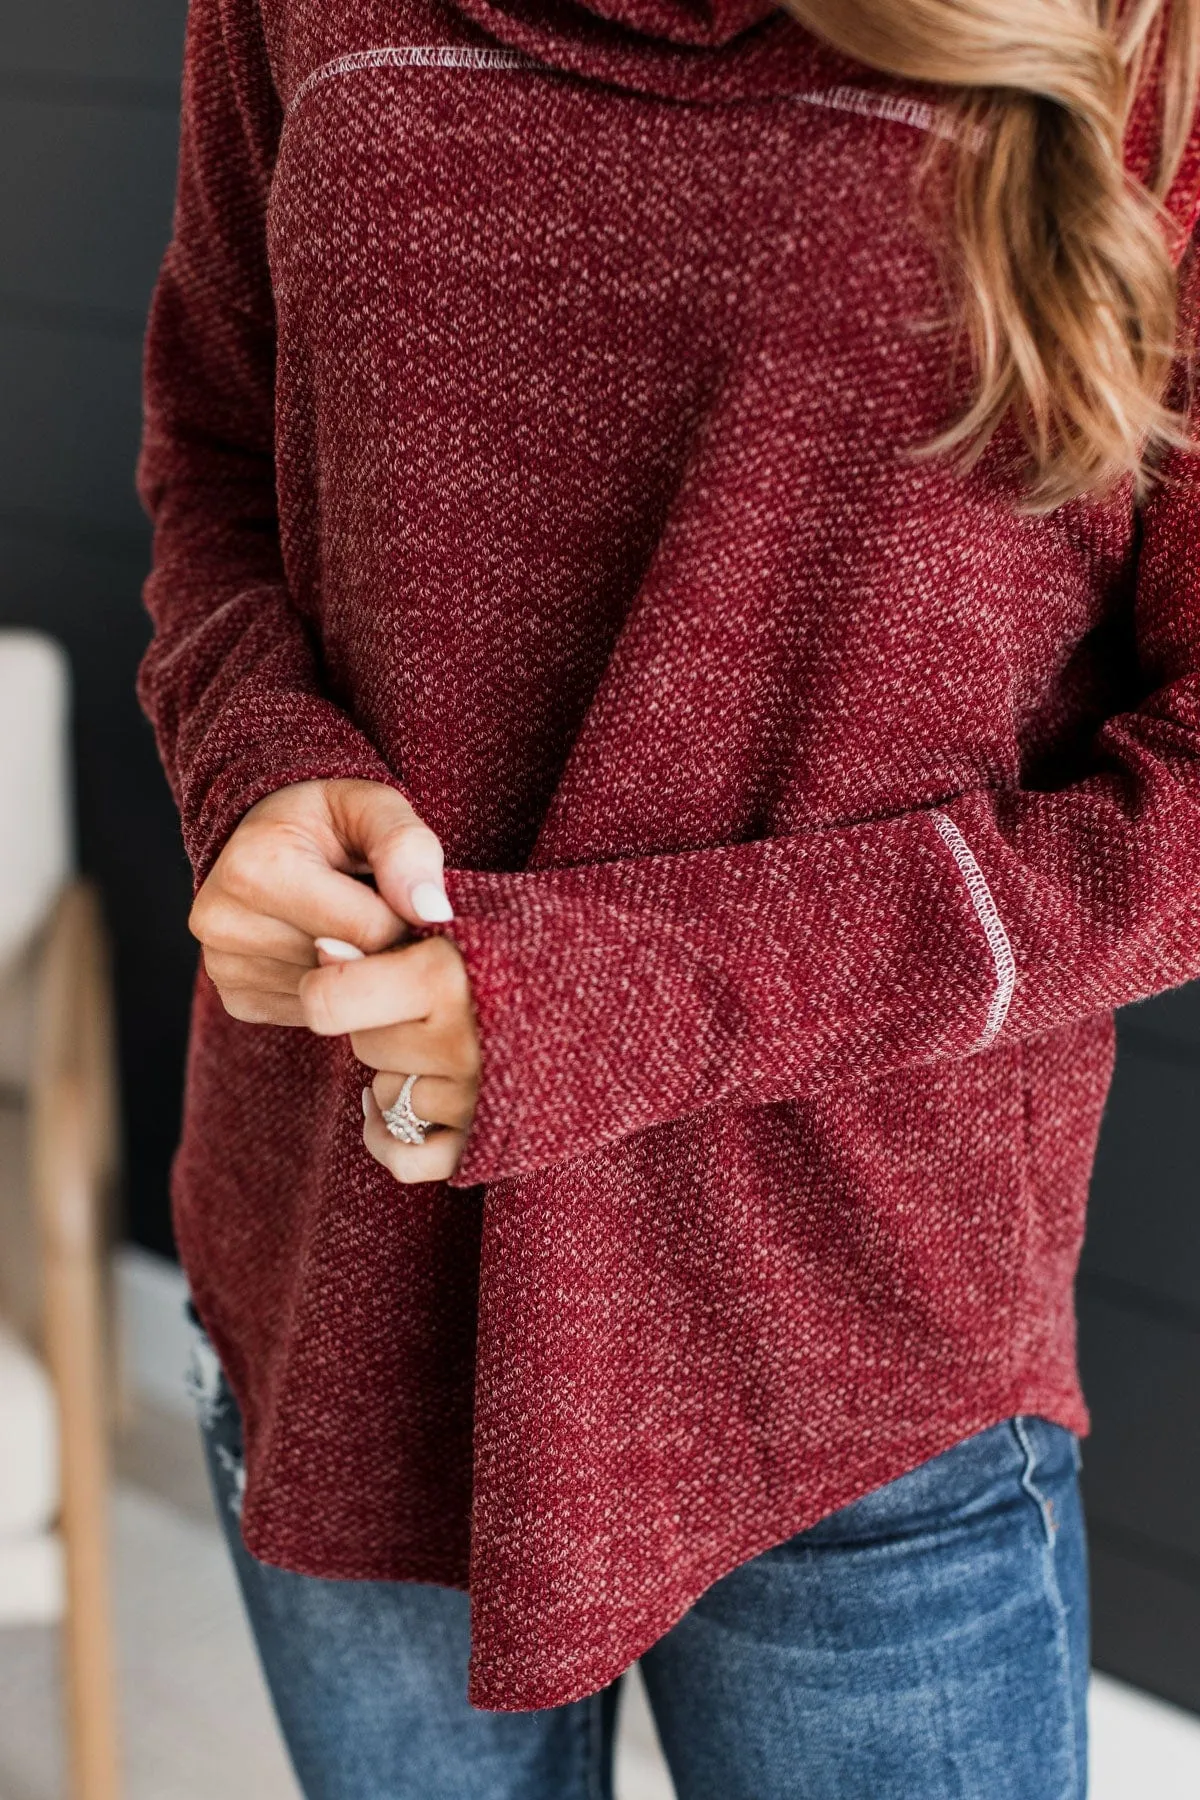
989	918
901	111
413	56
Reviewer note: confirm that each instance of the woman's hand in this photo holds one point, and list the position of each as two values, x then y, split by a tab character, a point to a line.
406	1012
285	878
291	938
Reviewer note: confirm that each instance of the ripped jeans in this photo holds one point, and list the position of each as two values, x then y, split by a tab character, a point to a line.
927	1642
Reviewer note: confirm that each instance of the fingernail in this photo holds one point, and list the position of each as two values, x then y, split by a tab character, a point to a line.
430	903
366	1103
339	949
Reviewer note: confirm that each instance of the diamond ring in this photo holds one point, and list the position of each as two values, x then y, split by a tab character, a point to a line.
402	1121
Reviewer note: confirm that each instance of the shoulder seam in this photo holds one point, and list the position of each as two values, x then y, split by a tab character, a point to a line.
868	102
413	56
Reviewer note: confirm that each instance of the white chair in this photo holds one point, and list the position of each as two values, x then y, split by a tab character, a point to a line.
58	1154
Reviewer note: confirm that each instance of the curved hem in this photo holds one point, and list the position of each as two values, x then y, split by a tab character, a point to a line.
483	1691
491	1686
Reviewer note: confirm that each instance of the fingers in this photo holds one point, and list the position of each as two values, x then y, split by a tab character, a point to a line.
258	990
265	974
385	991
281	875
255	1008
416	1046
286	878
226	928
441	1099
287	874
434	1160
403	854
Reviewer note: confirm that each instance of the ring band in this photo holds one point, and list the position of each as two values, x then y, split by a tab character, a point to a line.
402	1122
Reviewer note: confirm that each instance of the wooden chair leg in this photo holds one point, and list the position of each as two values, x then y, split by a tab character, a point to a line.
75	1346
72	1156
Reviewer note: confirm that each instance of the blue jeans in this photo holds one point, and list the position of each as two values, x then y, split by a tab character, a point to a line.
929	1641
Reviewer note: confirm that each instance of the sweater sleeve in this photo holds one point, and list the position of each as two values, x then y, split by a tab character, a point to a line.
231	680
617	996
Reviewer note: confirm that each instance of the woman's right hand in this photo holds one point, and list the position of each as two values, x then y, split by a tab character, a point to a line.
286	878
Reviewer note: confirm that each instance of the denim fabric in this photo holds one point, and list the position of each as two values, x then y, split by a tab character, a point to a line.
928	1642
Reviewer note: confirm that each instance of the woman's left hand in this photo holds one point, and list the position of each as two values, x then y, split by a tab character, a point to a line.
405	1011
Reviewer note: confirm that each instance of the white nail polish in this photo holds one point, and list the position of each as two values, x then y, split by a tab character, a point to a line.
366	1103
430	903
339	949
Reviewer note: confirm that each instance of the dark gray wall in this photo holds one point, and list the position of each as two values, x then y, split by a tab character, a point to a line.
1139	1310
88	130
88	97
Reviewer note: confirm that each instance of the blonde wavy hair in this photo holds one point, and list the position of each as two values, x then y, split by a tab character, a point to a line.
1064	284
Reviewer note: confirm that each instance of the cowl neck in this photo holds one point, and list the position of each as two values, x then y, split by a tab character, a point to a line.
707	22
737	50
704	50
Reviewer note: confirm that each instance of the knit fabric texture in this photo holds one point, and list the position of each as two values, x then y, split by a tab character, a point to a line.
528	394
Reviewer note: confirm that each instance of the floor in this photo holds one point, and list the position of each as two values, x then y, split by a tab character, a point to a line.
197	1724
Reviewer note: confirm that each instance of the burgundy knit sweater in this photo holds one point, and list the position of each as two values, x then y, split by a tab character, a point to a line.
527	394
